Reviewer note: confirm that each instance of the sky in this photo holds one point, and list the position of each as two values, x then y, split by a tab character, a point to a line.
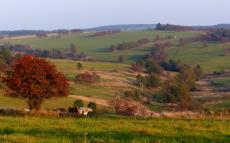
67	14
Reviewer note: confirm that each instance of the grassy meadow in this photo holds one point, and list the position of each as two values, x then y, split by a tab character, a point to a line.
221	81
210	58
97	47
113	129
115	79
110	73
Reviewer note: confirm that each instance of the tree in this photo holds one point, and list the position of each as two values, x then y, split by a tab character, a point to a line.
187	76
35	79
5	55
3	66
138	66
152	81
152	67
169	91
79	66
78	104
87	77
198	71
73	50
174	91
159	26
184	97
120	59
92	105
140	81
170	65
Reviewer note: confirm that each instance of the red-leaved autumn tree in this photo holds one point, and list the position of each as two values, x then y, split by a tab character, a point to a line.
35	79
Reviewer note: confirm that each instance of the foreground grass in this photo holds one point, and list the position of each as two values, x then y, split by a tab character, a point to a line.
112	129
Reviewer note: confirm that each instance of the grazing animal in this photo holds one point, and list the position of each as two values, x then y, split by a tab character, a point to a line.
84	110
26	110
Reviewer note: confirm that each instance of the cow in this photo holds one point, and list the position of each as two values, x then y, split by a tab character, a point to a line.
84	110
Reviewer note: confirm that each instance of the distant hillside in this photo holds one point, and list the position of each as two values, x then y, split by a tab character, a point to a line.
21	32
104	28
97	29
218	26
123	27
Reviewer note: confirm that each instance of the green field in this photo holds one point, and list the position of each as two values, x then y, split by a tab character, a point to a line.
8	102
210	58
112	129
97	46
220	106
221	81
69	67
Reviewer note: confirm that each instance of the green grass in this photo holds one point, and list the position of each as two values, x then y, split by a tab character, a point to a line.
97	46
69	67
66	102
112	129
221	81
210	58
92	90
8	102
220	106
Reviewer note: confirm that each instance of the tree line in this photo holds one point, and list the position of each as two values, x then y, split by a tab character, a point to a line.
71	52
103	33
129	45
170	27
220	35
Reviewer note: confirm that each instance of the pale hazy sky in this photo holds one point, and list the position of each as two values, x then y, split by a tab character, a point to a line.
55	14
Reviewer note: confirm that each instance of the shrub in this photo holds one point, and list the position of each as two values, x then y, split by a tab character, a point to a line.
152	81
129	107
132	94
78	104
138	66
152	67
170	65
79	66
87	77
11	112
219	72
174	91
187	76
92	105
120	59
198	71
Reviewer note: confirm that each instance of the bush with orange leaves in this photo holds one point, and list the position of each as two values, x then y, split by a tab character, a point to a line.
34	79
128	107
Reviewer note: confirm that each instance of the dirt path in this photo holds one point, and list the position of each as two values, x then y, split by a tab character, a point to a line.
104	102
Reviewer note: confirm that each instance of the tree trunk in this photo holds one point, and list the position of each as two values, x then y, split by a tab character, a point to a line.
34	103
